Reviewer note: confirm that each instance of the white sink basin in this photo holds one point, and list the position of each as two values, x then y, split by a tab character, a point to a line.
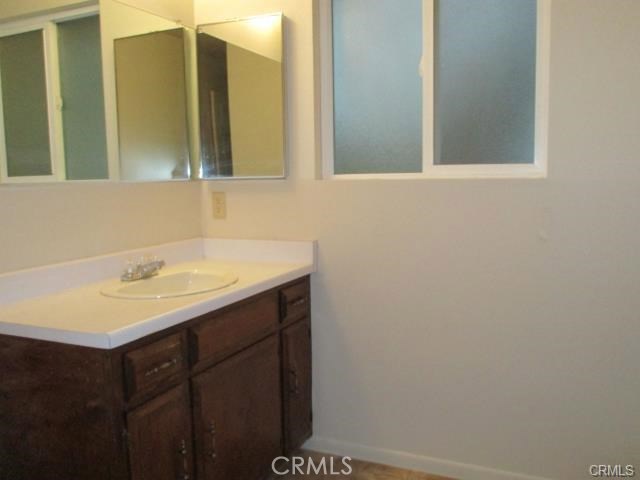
167	285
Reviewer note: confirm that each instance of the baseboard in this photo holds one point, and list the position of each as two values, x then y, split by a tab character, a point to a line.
410	461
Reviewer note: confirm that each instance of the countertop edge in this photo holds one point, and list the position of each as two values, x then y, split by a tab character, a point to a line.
155	324
116	338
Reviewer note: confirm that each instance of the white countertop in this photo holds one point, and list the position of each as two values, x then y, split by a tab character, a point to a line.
82	316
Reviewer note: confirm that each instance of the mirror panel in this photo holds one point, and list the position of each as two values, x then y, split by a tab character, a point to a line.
85	142
152	107
25	116
53	125
128	95
146	94
240	98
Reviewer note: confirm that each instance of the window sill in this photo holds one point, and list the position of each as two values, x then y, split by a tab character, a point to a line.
452	172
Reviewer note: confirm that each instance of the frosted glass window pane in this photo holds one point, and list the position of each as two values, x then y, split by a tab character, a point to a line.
485	81
81	86
24	104
377	87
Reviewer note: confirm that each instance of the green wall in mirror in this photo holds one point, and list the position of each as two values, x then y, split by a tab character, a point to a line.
52	124
85	142
25	119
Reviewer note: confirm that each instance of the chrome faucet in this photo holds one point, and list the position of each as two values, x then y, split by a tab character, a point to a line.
145	267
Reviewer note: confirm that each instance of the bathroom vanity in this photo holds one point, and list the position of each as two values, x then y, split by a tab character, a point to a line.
215	396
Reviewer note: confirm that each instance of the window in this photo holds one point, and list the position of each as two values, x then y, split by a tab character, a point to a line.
52	124
434	88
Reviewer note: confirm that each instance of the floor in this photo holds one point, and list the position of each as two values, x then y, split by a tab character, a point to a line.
360	470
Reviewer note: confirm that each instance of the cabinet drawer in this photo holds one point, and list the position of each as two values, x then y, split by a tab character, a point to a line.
147	367
219	336
294	301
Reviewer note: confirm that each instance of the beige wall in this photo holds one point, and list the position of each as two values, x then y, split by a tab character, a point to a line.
15	8
255	111
176	10
181	10
53	223
487	322
259	34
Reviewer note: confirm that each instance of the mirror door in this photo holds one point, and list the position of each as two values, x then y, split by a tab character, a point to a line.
240	98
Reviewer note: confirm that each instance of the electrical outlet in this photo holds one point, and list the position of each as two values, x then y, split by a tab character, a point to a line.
219	204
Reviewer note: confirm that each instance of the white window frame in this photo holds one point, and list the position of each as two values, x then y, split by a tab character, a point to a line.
537	169
47	24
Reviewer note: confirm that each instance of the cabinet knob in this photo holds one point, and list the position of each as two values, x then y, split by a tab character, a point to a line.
212	432
182	450
294	384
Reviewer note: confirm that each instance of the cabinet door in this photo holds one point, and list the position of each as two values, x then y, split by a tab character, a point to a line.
296	366
160	438
237	415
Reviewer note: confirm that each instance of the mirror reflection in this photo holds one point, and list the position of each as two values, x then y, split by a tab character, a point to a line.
52	122
152	108
240	98
117	92
151	100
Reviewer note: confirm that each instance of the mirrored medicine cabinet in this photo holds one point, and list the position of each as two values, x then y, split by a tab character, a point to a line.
240	98
118	93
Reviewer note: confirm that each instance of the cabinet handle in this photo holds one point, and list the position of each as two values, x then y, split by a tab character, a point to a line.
299	301
293	382
212	432
162	366
182	450
285	304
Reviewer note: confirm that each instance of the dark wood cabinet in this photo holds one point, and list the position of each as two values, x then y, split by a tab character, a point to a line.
159	435
58	420
218	335
296	372
237	414
217	397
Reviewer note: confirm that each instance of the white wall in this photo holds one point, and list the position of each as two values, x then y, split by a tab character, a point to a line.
490	323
